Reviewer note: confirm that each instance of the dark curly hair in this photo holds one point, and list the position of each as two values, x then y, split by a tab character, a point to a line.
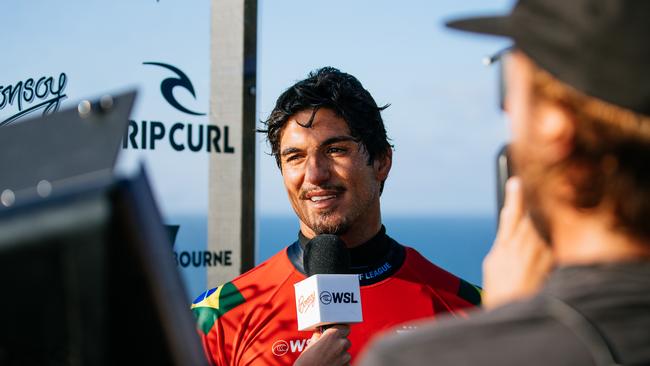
342	93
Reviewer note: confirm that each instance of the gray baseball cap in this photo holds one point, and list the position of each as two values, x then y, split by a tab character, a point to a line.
599	47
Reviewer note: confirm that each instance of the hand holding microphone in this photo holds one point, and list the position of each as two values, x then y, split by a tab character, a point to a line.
329	348
328	300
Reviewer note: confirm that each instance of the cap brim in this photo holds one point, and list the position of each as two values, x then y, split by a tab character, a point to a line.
494	25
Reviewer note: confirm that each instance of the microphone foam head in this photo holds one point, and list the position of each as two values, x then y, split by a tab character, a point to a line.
326	254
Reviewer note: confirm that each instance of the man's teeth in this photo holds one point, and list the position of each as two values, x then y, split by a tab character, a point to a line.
321	198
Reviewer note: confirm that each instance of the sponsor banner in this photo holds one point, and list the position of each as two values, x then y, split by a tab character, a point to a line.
54	57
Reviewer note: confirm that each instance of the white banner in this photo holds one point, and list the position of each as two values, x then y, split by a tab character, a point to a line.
55	54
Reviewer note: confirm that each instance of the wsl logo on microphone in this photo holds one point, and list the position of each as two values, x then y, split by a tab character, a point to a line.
327	298
32	95
180	136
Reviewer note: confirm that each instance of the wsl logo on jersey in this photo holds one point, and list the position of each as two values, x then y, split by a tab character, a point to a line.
327	298
282	347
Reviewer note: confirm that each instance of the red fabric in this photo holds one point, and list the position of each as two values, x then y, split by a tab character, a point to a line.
263	329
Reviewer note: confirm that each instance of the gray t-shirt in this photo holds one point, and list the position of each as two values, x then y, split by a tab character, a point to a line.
585	315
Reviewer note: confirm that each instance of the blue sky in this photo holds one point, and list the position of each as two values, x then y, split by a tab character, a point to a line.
443	118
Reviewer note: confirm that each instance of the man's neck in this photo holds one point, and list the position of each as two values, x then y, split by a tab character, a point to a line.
353	237
357	237
366	254
581	238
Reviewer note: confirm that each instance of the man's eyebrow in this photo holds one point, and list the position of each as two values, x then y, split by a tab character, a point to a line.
335	139
329	141
289	150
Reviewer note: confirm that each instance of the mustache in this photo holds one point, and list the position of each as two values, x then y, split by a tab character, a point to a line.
325	187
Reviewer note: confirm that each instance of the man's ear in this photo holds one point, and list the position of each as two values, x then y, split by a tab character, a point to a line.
383	164
556	131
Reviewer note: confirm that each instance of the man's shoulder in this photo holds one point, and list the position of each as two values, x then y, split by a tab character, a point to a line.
259	285
519	333
439	279
272	272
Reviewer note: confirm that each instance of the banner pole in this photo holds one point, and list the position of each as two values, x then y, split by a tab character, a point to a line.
231	211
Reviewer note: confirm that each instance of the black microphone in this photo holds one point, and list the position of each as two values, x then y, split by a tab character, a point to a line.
331	294
326	254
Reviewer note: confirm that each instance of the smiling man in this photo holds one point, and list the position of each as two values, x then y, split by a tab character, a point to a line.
333	184
329	141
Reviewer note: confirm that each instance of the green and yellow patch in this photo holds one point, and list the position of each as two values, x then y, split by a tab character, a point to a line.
212	304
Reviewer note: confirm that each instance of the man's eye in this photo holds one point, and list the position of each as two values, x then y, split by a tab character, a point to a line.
335	150
291	158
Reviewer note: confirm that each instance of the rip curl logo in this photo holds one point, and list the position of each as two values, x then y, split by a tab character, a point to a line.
280	348
180	81
306	302
47	92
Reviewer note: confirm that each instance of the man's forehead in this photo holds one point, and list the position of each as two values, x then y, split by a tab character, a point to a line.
325	125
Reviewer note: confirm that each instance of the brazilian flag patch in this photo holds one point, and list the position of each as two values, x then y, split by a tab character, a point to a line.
212	304
469	292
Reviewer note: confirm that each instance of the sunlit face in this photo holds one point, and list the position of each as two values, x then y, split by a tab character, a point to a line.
518	104
525	113
330	185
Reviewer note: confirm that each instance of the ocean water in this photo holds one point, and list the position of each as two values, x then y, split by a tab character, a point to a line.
457	244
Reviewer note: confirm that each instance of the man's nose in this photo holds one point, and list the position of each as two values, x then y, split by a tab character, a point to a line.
317	170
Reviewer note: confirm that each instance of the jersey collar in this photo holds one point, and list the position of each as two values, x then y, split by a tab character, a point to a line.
374	261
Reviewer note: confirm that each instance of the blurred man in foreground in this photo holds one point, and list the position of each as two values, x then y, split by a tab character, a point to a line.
578	96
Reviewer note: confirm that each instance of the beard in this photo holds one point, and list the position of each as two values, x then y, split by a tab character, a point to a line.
329	223
534	177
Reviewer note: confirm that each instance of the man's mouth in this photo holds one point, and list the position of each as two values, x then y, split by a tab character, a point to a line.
322	195
322	198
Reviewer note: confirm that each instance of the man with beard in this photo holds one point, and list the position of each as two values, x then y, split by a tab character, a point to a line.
578	96
329	141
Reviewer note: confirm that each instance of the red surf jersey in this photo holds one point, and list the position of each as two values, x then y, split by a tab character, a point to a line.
252	320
